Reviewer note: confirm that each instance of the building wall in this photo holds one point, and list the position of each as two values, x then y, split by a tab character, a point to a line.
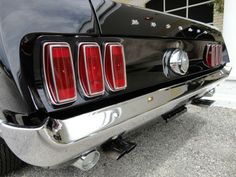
218	20
229	33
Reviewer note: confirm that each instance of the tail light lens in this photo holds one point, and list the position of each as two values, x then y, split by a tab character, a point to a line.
220	53
115	68
90	69
213	55
59	73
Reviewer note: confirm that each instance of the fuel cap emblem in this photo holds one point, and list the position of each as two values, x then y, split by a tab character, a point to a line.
176	61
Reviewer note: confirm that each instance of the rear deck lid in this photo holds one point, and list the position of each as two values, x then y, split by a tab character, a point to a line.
117	19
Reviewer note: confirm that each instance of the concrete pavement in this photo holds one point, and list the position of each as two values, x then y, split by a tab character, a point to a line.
200	143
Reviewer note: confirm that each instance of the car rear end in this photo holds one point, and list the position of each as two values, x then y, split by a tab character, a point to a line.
86	86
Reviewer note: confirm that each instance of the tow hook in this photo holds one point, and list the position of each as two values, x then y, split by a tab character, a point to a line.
117	148
175	113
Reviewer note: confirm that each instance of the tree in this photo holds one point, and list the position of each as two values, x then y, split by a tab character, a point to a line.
219	5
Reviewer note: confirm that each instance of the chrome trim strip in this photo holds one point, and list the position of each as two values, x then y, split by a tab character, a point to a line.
220	55
48	146
206	63
85	45
217	55
51	46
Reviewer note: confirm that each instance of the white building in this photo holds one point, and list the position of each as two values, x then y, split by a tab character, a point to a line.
229	30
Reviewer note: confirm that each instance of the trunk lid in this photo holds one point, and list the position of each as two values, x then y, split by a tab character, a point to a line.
117	19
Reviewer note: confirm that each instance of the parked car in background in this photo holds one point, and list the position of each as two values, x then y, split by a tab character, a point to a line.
77	76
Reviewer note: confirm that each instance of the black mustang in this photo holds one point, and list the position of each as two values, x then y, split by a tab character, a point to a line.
77	75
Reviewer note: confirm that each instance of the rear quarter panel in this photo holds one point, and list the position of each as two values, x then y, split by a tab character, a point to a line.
20	22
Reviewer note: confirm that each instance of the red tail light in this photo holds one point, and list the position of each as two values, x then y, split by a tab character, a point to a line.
90	69
59	73
213	55
115	68
220	53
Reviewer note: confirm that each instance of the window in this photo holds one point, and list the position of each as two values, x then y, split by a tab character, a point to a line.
181	13
170	4
157	4
205	10
200	10
191	2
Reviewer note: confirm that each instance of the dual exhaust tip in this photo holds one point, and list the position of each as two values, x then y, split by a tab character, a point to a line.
87	161
115	149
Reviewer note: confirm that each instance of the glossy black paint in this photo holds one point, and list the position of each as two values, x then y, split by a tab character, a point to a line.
143	65
25	26
116	19
20	18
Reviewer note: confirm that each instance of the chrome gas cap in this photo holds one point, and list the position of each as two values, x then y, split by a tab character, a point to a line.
177	61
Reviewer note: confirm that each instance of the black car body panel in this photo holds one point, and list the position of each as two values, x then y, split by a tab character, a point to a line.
29	120
143	66
73	22
144	49
20	23
117	19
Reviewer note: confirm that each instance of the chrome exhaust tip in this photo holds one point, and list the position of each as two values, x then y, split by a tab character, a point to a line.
210	93
117	148
87	161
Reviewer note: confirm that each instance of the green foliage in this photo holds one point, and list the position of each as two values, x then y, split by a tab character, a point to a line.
219	5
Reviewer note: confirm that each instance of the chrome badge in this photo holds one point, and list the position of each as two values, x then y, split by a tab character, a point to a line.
176	61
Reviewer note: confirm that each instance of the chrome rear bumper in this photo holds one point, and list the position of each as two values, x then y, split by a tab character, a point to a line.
65	140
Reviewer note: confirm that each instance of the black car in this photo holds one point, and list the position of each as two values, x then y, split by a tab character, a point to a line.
77	75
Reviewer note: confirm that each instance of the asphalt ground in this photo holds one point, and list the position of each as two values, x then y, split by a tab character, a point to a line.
201	142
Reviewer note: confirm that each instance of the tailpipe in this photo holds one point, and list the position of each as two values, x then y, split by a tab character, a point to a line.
203	102
117	148
174	114
87	161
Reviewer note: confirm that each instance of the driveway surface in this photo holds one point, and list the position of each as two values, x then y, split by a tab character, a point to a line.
201	142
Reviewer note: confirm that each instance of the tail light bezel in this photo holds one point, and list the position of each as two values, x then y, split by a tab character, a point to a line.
59	101
114	44
89	44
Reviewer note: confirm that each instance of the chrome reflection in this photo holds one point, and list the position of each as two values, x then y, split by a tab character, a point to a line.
175	61
88	124
87	161
38	147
